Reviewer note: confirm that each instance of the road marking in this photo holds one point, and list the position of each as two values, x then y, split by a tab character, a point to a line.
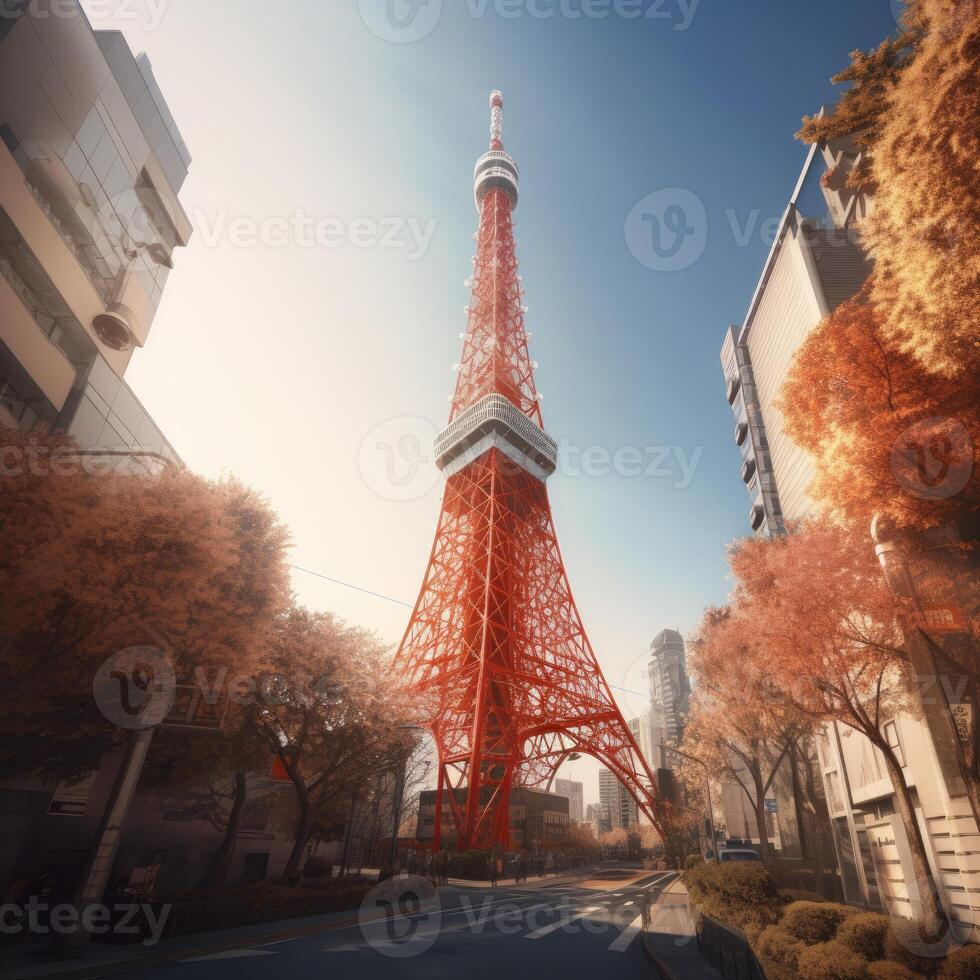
555	926
622	942
627	904
230	954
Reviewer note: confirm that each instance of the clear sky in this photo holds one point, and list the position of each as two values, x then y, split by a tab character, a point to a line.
303	365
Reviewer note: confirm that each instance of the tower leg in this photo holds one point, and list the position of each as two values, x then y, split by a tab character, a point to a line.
440	787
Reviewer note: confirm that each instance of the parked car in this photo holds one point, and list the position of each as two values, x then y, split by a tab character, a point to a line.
738	854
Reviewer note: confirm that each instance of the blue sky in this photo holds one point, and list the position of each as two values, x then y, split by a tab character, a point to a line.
288	363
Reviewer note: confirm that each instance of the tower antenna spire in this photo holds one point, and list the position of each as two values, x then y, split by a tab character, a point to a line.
496	120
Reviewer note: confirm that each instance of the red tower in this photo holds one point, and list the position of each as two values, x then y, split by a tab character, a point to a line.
495	646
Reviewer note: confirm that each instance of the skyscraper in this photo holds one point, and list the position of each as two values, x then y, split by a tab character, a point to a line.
575	793
670	694
618	806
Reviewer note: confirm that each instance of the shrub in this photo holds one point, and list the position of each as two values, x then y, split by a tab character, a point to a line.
962	964
887	970
865	934
789	895
693	860
776	944
737	894
815	922
831	961
906	943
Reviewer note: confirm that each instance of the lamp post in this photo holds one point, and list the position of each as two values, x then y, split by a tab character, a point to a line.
707	784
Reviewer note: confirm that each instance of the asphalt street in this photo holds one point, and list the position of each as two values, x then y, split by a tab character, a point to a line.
584	928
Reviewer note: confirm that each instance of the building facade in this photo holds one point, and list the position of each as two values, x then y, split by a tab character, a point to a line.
618	807
814	265
670	696
574	792
537	818
91	166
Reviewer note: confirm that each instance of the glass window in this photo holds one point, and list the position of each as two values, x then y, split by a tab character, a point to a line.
894	743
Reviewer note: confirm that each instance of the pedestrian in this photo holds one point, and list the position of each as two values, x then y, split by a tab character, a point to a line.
493	872
645	907
521	870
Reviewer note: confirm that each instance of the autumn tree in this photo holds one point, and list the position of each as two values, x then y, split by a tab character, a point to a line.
831	644
102	560
924	234
869	79
887	437
328	708
738	745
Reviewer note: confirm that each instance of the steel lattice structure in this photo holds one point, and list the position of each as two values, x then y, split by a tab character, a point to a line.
495	645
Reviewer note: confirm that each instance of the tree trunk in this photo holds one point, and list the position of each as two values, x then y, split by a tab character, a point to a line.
930	914
304	827
218	871
794	764
760	820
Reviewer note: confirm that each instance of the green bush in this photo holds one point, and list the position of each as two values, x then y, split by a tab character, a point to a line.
831	961
887	970
776	944
905	943
815	922
693	860
865	934
962	964
738	894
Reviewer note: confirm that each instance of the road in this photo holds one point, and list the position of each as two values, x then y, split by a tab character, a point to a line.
581	928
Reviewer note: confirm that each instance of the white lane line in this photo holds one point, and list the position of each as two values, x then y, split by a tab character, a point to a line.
622	942
230	954
555	926
626	905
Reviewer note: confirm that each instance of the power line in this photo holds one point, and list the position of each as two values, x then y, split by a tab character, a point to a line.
349	585
407	605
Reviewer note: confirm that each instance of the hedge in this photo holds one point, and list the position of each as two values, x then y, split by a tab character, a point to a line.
865	934
815	922
831	961
962	964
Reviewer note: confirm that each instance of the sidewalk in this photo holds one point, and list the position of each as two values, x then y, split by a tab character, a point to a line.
670	942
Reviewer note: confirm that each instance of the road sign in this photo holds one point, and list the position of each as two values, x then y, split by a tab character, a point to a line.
771	806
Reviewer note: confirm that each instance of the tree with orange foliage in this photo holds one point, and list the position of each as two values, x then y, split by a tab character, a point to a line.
738	742
924	233
328	709
100	560
829	640
887	437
